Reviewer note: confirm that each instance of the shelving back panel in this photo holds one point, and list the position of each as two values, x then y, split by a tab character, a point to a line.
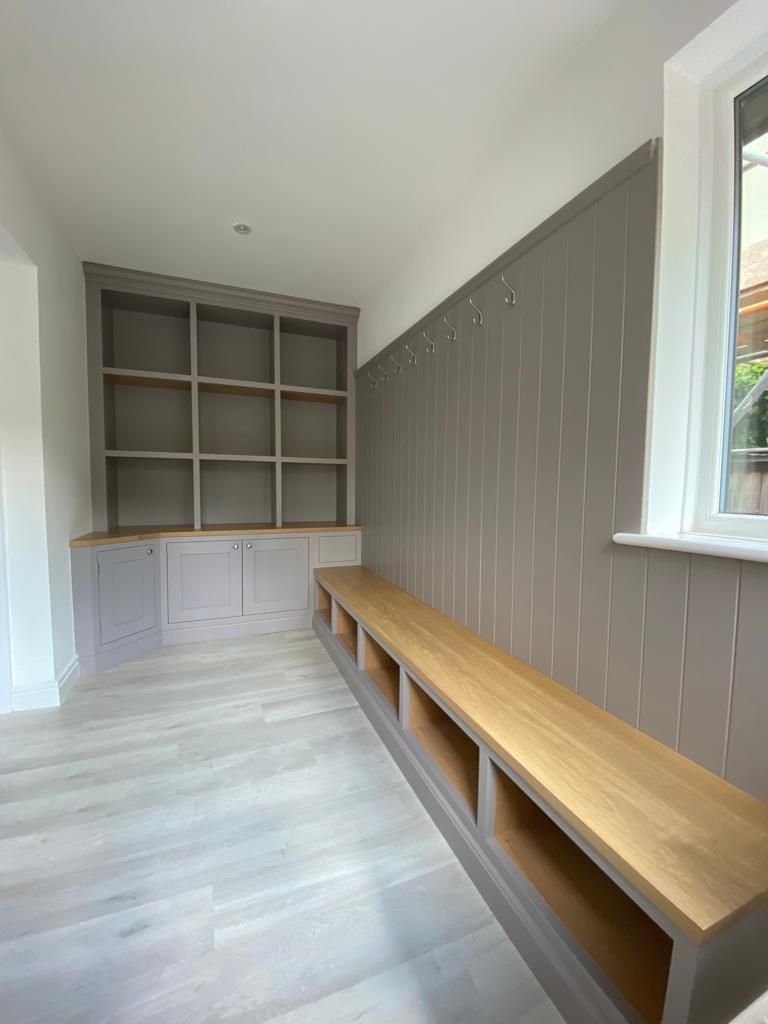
235	344
237	492
145	333
314	493
147	419
236	424
149	492
313	355
312	430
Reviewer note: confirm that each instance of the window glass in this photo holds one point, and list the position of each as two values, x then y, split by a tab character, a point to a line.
745	486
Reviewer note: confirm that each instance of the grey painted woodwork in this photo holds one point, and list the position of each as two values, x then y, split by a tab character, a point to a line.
200	589
275	575
205	580
493	473
182	369
127	592
706	984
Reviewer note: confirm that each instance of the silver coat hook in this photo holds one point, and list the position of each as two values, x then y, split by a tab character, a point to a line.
511	298
476	320
384	375
374	383
451	336
411	355
398	367
430	343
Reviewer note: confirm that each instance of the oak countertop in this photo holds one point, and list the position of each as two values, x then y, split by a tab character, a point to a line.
694	845
126	534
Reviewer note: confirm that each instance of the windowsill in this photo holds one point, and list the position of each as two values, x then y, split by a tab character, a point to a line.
699	544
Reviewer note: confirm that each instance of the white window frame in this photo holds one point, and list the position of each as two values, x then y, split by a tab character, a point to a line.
690	365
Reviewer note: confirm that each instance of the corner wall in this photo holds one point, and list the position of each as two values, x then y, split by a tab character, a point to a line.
56	372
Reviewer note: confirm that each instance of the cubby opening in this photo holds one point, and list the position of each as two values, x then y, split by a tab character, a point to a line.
383	671
346	631
631	950
313	354
455	754
235	344
146	418
314	493
236	423
141	332
313	429
323	603
237	492
150	492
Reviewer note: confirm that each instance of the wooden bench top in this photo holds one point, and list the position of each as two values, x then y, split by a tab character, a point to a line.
694	845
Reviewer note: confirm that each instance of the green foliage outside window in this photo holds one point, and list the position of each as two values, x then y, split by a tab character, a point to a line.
752	431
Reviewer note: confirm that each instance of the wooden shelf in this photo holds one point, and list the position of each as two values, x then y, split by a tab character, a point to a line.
323	604
455	754
326	395
118	454
693	845
383	671
298	461
628	947
218	457
222	386
345	630
147	379
122	534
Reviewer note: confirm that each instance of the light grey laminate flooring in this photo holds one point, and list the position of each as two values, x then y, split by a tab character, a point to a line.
216	833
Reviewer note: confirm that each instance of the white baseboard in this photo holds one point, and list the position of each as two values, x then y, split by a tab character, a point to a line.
67	679
34	699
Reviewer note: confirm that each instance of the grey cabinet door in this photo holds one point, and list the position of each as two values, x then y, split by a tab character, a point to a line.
127	592
205	580
275	575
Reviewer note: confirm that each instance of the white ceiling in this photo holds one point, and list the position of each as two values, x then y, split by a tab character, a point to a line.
338	128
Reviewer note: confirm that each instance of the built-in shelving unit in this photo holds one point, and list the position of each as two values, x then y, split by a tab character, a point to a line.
383	671
323	604
445	743
215	405
345	629
631	950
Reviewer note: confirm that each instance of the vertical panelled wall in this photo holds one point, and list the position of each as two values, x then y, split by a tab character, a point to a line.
493	473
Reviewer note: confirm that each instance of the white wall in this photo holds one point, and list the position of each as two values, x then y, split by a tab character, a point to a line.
43	432
597	110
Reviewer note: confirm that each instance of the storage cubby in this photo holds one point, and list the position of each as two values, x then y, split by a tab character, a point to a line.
314	493
236	492
149	492
323	604
312	354
383	671
236	422
628	947
235	344
455	754
140	332
346	630
313	429
142	417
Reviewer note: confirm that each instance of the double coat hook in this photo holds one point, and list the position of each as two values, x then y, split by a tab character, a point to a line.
451	335
511	297
411	355
430	343
477	320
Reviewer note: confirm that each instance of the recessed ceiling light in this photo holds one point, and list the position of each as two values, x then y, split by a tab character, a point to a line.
241	229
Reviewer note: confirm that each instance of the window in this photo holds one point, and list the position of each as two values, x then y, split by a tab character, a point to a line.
706	480
744	487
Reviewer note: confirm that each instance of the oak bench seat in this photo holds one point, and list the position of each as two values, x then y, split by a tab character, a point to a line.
694	845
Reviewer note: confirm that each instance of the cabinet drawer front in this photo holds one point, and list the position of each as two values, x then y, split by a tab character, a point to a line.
338	548
205	580
276	575
127	592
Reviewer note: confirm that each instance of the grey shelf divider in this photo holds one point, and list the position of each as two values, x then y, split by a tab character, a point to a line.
214	405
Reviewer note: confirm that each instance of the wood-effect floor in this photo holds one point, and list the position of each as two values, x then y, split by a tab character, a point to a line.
215	833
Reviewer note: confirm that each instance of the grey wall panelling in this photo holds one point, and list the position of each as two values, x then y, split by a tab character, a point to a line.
189	374
493	473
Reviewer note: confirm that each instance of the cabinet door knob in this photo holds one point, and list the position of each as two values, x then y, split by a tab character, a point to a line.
249	546
150	551
235	547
